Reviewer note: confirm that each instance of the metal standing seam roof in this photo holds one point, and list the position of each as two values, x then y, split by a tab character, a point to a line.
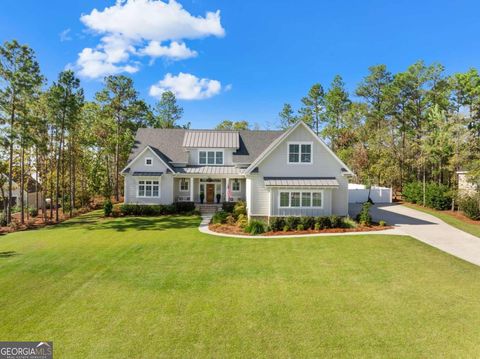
211	170
211	139
301	181
151	174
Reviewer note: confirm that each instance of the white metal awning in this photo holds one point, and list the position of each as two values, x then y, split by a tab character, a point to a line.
301	182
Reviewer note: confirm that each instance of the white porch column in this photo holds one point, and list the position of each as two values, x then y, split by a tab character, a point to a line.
226	189
191	189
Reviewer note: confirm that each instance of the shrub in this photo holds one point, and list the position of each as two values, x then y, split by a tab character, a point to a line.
255	227
184	207
470	205
300	227
335	221
230	219
323	222
438	196
277	223
3	220
347	222
242	221
228	206
292	221
107	207
307	222
382	223
286	228
146	210
364	217
220	217
317	226
240	208
33	212
413	192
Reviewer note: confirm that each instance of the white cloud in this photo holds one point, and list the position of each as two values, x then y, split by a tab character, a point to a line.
94	64
142	28
175	50
65	35
186	87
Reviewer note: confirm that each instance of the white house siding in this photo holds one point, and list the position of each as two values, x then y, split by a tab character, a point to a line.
131	182
324	211
258	197
323	165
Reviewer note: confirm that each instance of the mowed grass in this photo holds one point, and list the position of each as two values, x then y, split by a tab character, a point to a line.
157	288
448	217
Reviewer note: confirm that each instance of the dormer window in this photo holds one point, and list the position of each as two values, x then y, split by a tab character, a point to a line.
148	161
300	152
210	157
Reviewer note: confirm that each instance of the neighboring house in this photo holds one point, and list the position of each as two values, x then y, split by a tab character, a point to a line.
465	184
15	193
277	173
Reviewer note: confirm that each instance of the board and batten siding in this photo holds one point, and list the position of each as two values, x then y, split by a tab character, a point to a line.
323	165
258	196
131	182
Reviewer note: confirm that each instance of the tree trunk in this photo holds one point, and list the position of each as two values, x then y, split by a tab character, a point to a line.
117	155
10	163
22	185
37	171
58	167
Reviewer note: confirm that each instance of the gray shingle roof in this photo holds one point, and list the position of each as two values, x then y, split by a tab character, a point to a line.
211	139
168	143
301	181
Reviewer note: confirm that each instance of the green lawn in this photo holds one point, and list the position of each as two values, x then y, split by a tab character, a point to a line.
156	287
472	228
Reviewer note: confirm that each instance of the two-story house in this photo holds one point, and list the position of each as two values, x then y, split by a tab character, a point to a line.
277	173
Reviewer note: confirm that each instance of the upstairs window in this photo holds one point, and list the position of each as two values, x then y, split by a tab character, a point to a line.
299	153
210	157
148	161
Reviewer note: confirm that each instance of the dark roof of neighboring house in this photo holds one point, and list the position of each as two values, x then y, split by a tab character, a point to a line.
168	143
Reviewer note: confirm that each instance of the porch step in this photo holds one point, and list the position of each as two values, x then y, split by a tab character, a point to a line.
209	208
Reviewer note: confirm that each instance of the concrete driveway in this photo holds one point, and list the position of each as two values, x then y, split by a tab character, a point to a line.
428	229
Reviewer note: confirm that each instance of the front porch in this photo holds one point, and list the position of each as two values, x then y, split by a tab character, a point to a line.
208	190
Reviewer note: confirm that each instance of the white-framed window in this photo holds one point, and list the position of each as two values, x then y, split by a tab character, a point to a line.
210	157
184	184
148	161
300	199
148	188
236	185
299	152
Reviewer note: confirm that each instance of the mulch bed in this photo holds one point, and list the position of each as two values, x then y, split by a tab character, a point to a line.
231	229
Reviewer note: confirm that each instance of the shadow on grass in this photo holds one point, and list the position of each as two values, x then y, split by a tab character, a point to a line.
8	254
93	221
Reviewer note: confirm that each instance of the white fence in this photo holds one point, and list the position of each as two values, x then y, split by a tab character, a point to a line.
358	193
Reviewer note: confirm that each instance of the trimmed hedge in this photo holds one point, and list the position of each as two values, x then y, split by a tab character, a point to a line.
278	224
437	196
157	209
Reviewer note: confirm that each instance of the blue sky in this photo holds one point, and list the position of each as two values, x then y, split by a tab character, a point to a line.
253	55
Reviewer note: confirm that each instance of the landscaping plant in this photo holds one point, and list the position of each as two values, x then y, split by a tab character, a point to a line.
107	207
